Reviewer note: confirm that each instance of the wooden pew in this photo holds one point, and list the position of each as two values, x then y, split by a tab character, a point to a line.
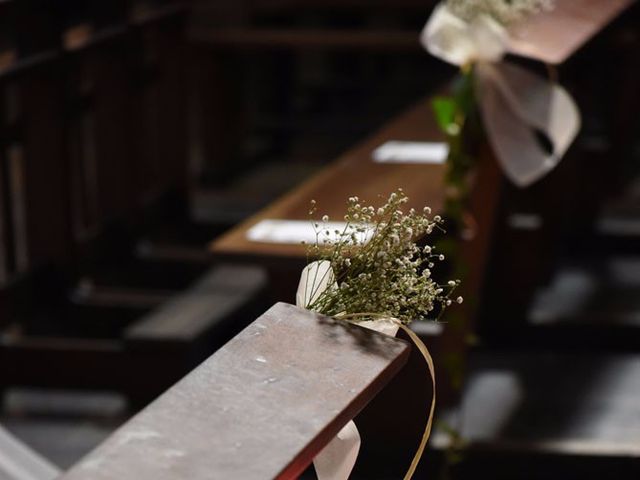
158	123
266	24
166	342
39	152
261	407
287	39
497	204
57	192
19	462
34	190
124	122
70	168
355	173
308	39
174	337
556	216
98	144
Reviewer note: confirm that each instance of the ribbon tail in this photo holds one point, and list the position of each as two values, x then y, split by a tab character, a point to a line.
338	457
427	430
518	108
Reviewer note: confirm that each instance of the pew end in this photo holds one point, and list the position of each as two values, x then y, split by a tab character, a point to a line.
261	407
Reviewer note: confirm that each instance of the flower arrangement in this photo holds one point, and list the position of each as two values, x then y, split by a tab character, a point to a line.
376	271
503	11
377	267
529	120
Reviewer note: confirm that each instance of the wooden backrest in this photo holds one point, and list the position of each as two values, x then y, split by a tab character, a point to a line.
34	177
126	131
90	135
261	407
90	132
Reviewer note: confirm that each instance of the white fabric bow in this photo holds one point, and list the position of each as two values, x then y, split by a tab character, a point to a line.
515	104
338	458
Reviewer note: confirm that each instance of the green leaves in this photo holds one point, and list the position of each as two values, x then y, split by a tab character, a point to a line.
452	111
444	109
463	92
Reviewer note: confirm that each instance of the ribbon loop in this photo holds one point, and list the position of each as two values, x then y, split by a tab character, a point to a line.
455	41
338	457
515	104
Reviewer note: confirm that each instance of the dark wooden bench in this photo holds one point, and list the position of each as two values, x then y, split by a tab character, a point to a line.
247	27
187	317
261	407
91	137
147	356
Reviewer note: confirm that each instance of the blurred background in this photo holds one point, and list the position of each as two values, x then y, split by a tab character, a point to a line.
133	133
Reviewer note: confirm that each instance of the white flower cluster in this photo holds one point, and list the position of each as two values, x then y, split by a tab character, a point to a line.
504	11
390	275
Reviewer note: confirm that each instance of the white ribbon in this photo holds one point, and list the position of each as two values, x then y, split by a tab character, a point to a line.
514	103
338	458
315	279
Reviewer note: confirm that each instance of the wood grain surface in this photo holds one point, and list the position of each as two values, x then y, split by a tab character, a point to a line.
259	408
555	35
550	36
354	173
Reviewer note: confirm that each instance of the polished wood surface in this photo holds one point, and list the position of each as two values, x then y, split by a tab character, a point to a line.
354	173
555	35
261	407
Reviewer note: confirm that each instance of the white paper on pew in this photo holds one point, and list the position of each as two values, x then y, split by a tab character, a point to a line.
297	231
395	151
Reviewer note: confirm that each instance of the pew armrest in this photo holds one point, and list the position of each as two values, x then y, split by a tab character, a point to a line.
261	407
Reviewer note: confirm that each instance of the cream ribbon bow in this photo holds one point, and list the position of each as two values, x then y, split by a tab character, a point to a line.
338	458
514	103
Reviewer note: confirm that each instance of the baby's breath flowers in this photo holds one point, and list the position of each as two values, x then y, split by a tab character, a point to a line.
504	11
380	269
